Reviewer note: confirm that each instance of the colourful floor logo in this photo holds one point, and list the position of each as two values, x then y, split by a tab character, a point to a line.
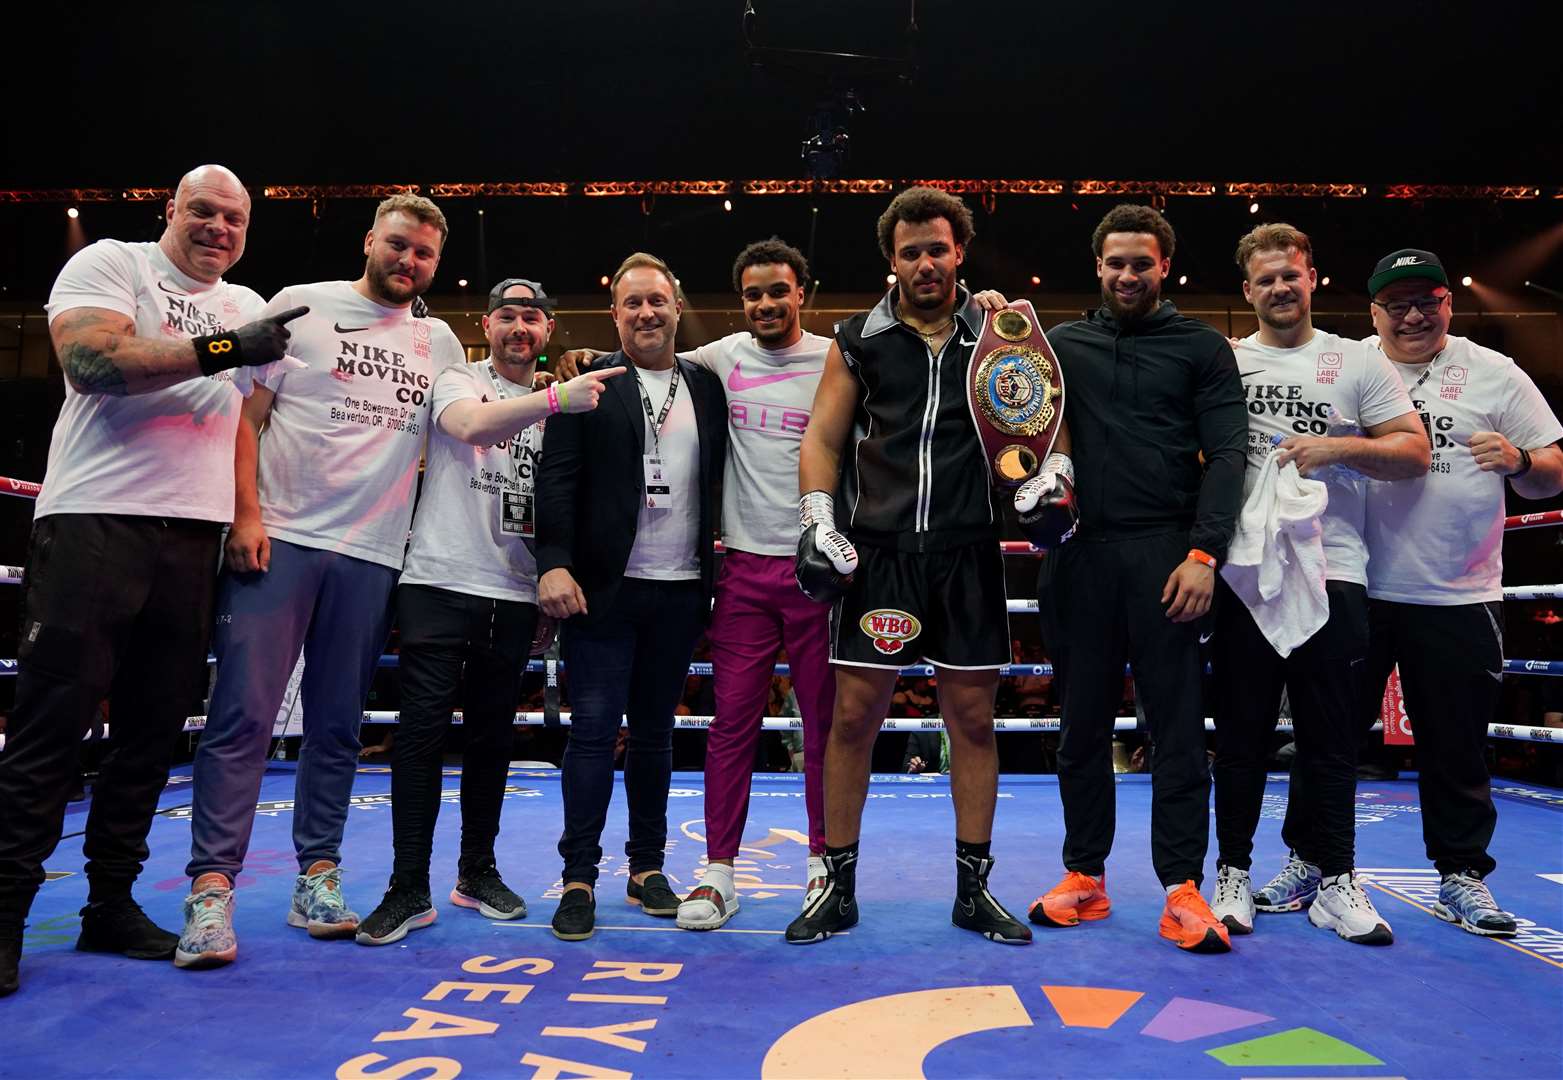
891	1036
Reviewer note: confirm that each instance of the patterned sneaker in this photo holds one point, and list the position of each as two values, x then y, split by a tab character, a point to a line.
481	887
405	908
976	909
1233	903
834	908
1188	921
318	904
208	939
1343	907
1295	886
1077	898
1464	898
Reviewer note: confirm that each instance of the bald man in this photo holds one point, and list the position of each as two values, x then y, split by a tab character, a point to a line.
121	568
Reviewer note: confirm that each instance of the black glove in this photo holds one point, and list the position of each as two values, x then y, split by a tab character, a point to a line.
1046	503
262	341
826	559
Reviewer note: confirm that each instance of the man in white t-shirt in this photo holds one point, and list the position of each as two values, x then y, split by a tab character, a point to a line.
1302	385
626	516
323	500
1435	579
117	601
467	606
771	371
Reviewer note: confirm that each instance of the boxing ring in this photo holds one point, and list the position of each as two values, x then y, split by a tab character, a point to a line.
904	994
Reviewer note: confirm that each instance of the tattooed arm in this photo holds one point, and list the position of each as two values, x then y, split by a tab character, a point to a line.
101	354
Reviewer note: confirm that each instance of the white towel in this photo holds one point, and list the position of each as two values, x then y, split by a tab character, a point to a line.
1275	563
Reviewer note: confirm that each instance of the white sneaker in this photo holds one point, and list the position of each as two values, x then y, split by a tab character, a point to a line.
1343	906
817	880
1233	904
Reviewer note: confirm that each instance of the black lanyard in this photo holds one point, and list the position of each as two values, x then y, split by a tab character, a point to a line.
667	407
1431	364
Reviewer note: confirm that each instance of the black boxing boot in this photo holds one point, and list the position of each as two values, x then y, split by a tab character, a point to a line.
975	907
835	907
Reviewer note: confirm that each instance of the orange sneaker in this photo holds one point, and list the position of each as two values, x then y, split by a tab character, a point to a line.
1078	897
1187	919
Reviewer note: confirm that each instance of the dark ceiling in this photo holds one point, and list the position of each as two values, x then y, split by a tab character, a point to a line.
502	89
489	90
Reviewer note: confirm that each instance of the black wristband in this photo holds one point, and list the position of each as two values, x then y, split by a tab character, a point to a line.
1524	465
219	352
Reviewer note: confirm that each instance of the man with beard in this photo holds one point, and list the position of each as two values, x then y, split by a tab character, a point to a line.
323	501
917	561
1151	394
117	600
1296	379
467	606
771	372
1435	579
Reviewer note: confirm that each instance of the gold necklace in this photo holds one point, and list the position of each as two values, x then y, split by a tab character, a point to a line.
928	336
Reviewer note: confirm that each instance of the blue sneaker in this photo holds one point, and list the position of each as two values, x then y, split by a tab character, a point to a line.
208	939
318	904
1296	885
1464	899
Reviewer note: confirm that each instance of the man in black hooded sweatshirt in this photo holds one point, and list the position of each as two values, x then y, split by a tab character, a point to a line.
1156	410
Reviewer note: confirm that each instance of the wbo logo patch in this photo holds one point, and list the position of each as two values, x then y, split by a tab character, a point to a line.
890	629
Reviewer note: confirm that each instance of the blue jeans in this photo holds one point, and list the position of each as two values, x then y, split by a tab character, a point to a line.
337	610
631	664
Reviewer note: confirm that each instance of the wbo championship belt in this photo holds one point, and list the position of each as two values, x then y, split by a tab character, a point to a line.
1016	389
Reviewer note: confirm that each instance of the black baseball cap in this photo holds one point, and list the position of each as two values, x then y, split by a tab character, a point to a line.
538	299
1407	263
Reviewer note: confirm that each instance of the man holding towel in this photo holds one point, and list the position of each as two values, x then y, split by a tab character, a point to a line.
1302	387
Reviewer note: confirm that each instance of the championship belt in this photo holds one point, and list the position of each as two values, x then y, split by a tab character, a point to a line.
1016	389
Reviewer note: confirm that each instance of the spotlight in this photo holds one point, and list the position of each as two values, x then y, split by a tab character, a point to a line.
1183	279
461	282
1253	208
1325	280
73	213
603	281
727	204
889	279
1035	280
1466	281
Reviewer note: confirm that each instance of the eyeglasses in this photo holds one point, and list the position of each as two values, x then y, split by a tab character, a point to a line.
1399	309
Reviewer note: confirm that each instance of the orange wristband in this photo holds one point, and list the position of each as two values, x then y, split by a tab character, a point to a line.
1203	557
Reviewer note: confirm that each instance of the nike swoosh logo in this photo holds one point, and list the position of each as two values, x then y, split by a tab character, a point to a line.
1498	675
1203	638
968	906
339	328
166	289
737	380
1246	374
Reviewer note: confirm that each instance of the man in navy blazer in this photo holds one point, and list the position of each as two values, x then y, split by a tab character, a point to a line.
626	514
